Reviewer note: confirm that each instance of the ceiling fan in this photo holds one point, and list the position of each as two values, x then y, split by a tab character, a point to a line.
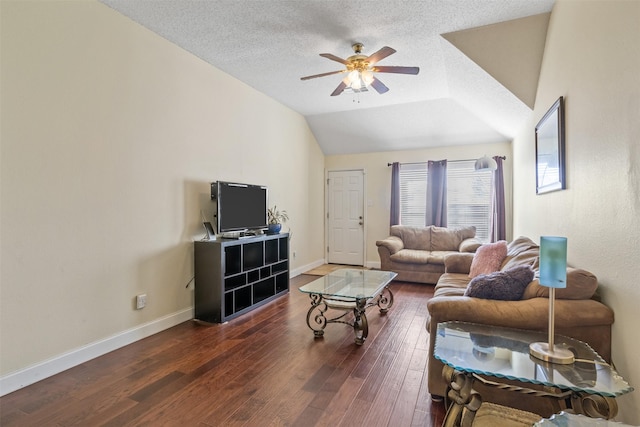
360	69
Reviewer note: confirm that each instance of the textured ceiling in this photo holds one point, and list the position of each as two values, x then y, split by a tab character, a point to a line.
269	45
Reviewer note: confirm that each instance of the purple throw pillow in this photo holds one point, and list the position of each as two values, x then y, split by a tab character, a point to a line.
508	285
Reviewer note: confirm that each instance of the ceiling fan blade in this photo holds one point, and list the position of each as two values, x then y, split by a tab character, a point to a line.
379	86
334	58
322	75
398	70
339	89
380	55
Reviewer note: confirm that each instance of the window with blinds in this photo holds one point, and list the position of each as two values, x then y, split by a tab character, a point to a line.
468	196
413	194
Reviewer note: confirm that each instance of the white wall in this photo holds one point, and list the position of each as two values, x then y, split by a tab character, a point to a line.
592	58
378	181
110	138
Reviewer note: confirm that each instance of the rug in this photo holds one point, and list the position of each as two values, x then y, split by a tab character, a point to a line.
325	269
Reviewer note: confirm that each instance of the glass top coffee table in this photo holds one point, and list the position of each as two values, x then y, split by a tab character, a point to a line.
471	352
349	291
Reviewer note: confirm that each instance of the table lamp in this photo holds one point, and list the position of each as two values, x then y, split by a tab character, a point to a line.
553	274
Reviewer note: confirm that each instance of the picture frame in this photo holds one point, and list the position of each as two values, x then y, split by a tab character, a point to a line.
550	150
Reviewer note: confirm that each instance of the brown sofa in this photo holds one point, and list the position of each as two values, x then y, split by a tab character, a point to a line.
417	253
578	313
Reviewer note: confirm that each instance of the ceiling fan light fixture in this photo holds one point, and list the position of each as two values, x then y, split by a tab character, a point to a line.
359	70
367	77
359	79
354	78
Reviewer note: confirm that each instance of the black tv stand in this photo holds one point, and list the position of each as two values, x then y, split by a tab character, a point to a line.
234	276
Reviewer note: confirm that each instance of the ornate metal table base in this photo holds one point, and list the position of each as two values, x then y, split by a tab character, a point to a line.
465	401
317	321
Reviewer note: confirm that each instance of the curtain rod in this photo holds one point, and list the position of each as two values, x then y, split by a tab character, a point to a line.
462	160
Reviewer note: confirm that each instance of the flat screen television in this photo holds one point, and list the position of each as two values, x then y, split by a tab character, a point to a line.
240	206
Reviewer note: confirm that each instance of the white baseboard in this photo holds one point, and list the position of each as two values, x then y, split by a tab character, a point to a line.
373	264
32	374
300	270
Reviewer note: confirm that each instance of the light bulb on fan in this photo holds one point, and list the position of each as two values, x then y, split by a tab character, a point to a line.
360	79
367	77
354	80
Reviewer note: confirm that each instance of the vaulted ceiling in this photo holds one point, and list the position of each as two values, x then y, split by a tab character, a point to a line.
479	62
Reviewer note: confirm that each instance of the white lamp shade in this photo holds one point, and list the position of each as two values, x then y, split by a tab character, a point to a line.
486	163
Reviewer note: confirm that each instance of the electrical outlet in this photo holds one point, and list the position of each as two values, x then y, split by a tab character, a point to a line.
141	301
294	254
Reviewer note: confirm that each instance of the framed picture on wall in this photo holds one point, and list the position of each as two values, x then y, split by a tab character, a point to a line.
550	171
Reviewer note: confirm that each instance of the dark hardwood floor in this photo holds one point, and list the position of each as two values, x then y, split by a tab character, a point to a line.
262	369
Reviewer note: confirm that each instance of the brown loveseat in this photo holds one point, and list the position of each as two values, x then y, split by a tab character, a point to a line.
417	253
578	314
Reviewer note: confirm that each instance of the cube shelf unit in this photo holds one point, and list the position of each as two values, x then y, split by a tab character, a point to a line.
233	277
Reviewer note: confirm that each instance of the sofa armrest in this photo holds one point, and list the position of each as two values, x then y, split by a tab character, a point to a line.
392	243
469	245
458	263
532	314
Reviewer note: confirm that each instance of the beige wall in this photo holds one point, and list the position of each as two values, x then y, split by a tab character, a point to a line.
592	58
378	181
110	138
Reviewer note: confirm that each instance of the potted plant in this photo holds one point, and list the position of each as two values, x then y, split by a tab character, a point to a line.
276	219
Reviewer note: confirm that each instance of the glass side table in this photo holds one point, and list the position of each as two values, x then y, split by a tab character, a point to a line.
471	351
564	419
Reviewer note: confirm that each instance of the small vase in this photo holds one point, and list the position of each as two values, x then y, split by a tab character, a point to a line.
274	228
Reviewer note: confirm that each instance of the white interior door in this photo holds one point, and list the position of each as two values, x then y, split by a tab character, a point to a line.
345	217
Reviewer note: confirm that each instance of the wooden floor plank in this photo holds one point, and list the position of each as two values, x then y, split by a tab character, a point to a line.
263	368
387	395
405	401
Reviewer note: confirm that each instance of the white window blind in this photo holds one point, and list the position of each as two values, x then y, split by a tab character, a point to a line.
413	194
468	196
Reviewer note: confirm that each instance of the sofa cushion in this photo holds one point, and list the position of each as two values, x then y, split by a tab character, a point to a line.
437	257
488	258
449	239
413	237
411	256
581	284
520	244
451	284
458	262
508	285
530	257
